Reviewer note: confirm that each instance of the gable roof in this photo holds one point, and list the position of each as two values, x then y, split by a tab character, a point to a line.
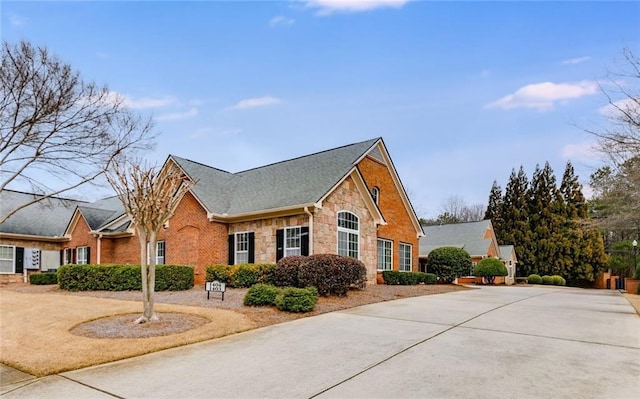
468	236
47	218
507	251
302	181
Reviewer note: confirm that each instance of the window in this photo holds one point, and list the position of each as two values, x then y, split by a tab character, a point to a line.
83	255
160	253
242	248
405	257
384	254
375	194
6	259
68	256
292	241
348	234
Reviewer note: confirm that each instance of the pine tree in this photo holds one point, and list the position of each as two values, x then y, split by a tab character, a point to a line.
494	209
571	190
515	229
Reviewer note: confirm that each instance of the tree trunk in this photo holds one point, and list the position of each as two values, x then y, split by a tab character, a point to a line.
147	296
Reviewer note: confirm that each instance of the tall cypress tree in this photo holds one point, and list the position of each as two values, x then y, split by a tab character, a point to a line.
515	229
494	209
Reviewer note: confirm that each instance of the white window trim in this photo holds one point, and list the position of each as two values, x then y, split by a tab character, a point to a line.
13	259
84	261
402	254
348	231
164	256
235	247
391	254
285	247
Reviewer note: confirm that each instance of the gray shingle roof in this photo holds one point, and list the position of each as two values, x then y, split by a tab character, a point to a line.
48	218
469	236
298	181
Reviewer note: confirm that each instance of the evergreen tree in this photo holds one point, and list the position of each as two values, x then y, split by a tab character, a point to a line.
515	230
494	209
571	190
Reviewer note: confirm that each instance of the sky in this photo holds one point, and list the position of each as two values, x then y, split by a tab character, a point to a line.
461	92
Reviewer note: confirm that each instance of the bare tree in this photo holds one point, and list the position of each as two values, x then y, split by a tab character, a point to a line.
58	132
455	210
150	196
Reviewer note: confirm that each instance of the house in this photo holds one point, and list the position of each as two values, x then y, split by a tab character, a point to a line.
477	238
347	200
31	239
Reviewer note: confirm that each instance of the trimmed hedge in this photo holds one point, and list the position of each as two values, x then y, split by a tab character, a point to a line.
448	263
286	271
43	278
122	278
547	280
489	268
261	295
298	300
534	279
331	274
241	276
393	277
558	280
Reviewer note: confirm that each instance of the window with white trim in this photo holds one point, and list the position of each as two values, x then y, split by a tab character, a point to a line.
292	241
160	254
384	254
348	234
405	257
83	255
242	248
68	256
375	194
7	258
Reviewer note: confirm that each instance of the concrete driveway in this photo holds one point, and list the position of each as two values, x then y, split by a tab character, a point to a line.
509	342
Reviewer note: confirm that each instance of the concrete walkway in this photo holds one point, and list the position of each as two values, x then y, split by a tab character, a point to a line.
492	342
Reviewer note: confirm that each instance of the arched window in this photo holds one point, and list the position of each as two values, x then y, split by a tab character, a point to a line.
375	194
348	234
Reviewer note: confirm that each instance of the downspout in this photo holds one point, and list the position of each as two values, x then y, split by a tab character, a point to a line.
306	210
99	248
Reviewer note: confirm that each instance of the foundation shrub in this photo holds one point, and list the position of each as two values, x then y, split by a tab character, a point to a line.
285	274
43	278
448	263
298	300
393	277
245	276
489	268
122	278
534	279
261	295
331	274
220	273
547	280
428	278
558	280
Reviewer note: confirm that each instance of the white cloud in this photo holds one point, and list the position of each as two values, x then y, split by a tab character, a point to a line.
148	102
327	7
544	96
17	20
616	109
281	20
584	151
578	60
256	102
176	116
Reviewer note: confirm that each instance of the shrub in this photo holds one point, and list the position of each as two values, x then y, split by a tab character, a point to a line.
448	263
122	277
285	274
489	268
293	299
245	276
265	271
547	280
261	295
392	277
558	280
221	273
331	274
534	279
43	278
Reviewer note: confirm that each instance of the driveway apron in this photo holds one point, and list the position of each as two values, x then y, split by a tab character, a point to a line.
520	342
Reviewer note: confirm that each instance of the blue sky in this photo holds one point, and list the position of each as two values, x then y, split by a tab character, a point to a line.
461	92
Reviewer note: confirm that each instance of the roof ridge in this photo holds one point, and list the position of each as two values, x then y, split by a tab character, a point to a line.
44	195
308	155
201	164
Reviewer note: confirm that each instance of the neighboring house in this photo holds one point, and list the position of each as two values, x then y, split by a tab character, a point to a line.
347	200
508	257
477	238
32	238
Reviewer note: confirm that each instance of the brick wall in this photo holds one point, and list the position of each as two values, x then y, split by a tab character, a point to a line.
399	228
80	237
